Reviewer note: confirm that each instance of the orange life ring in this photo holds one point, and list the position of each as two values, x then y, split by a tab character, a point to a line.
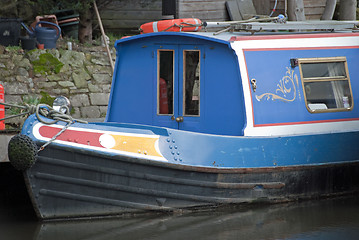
172	25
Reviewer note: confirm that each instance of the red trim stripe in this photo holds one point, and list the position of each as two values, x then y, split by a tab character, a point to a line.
298	48
292	36
80	137
307	122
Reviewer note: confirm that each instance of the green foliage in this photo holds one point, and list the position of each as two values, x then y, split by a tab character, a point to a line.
47	64
13	48
31	100
46	98
113	37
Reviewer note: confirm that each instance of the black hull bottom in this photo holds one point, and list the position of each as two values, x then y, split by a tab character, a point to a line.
68	184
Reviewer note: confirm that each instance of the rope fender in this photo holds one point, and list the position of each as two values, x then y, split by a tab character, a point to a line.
22	150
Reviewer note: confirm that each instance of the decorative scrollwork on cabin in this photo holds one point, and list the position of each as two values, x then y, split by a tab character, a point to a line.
286	88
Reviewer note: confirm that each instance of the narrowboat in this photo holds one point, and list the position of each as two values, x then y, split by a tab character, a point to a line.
264	112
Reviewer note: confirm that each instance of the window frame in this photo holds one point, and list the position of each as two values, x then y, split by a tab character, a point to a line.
184	82
325	79
158	80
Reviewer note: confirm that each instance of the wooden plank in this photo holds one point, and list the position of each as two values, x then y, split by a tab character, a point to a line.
127	15
206	10
122	24
314	6
133	4
313	17
314	11
124	16
206	16
314	2
246	8
263	7
233	11
201	7
309	6
204	2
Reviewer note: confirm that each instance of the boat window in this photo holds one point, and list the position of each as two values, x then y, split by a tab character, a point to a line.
165	61
326	84
191	82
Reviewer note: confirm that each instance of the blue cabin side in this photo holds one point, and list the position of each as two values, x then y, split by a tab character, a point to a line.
178	80
300	83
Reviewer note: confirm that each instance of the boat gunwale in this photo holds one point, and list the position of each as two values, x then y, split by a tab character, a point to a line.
203	169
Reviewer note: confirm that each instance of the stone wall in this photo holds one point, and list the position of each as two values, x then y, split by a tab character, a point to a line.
84	77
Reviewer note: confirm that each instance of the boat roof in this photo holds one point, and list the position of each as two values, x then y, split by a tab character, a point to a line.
225	32
229	37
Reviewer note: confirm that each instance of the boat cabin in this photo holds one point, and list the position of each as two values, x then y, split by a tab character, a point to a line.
238	84
178	80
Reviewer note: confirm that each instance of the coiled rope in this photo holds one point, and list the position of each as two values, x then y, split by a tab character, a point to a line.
43	111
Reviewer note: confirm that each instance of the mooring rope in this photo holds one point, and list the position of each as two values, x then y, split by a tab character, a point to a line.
41	111
29	109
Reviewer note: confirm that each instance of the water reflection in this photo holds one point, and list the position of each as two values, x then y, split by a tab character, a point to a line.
325	219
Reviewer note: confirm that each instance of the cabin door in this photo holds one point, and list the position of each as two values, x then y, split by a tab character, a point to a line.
178	83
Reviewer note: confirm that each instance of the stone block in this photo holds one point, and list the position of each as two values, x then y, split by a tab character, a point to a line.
80	78
76	112
66	84
4	141
22	72
79	100
5	73
94	88
73	58
103	111
13	98
99	99
16	58
90	112
20	78
46	85
100	61
102	78
4	56
62	91
10	65
92	69
34	55
106	88
66	69
25	63
77	91
54	77
30	82
16	88
9	79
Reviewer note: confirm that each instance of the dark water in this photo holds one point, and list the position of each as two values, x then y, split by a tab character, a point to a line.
318	219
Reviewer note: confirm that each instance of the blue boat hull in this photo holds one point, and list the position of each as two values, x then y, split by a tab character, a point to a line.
67	182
